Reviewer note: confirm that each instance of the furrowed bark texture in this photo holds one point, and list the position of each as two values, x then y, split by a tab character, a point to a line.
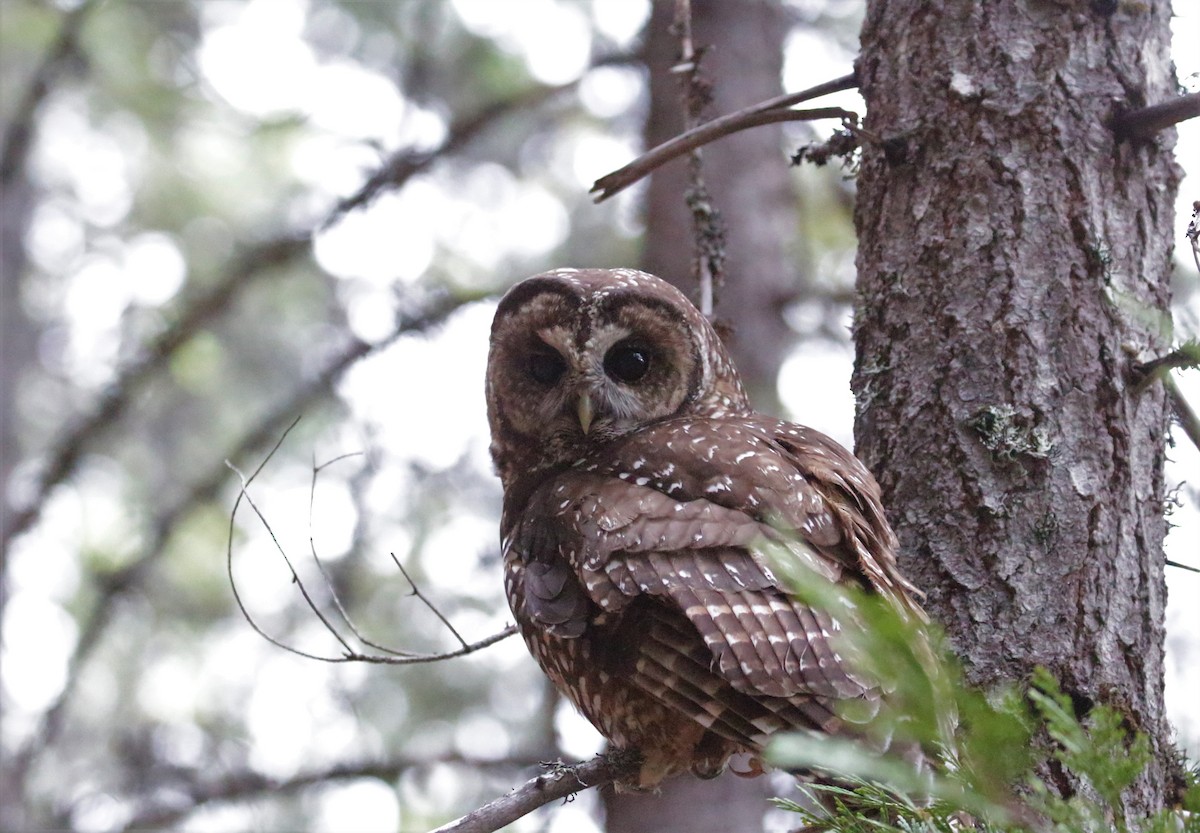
1013	267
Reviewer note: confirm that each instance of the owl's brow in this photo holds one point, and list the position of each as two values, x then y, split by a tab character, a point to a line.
522	293
615	301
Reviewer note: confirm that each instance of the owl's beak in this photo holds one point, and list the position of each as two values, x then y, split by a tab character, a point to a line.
584	409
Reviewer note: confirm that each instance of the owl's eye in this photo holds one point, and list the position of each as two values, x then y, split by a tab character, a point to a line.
627	362
546	367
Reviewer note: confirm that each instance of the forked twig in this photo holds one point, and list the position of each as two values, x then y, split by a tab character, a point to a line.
416	591
330	586
350	653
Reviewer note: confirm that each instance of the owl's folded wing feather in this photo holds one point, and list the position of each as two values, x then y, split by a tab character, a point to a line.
624	540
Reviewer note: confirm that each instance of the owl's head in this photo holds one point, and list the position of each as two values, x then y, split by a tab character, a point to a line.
580	356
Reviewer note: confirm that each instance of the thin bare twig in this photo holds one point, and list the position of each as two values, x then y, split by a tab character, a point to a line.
416	591
1145	122
245	495
350	654
718	128
329	583
559	782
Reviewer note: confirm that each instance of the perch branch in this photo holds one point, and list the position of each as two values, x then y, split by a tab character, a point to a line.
559	782
765	112
1145	122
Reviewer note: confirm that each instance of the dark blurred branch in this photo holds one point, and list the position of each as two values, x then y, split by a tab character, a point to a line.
246	786
765	112
17	136
1144	123
111	588
65	454
560	782
251	266
403	164
1188	421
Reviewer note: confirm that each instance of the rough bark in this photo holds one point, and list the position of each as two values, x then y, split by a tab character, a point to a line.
1013	269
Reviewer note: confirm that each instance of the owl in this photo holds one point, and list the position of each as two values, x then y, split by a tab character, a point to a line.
639	489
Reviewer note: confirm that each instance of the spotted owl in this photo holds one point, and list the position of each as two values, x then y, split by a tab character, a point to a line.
639	487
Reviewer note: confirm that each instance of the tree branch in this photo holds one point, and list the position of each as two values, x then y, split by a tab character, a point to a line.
560	782
1188	421
395	172
1145	122
349	654
68	450
403	164
765	112
249	785
114	586
15	147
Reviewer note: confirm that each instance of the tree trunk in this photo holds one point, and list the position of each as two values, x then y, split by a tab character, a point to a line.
746	175
1013	269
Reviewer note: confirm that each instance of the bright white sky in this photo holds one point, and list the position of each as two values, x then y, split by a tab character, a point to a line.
255	57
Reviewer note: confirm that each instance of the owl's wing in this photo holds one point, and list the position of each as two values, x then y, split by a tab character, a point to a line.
685	526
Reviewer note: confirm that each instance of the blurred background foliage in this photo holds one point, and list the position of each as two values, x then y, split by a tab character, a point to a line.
184	275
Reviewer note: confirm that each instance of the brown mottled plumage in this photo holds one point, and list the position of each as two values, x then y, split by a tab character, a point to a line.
638	487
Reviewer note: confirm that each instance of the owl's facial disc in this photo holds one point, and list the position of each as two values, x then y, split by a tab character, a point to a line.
576	361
